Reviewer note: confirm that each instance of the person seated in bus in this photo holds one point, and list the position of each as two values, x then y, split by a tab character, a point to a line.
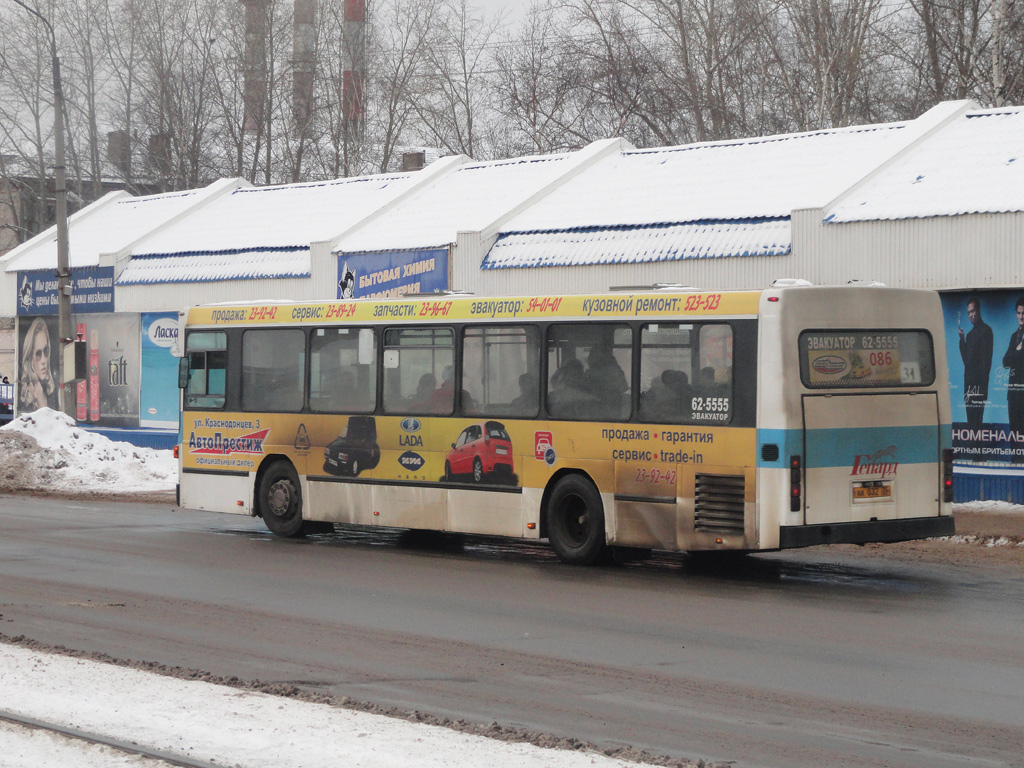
568	395
668	398
525	404
425	388
606	380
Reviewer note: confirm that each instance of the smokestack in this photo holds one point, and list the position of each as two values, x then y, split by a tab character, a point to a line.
302	65
353	109
255	63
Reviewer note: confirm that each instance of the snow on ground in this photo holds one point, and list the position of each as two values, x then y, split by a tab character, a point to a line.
223	725
47	451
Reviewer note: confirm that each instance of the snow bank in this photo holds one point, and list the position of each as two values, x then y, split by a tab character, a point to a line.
47	451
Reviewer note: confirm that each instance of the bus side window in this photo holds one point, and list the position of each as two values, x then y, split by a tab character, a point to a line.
419	370
590	367
273	369
342	370
208	362
666	371
686	373
500	367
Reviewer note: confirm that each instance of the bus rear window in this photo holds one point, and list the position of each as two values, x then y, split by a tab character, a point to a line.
838	359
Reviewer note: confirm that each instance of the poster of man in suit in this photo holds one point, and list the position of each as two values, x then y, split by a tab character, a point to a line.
986	385
976	355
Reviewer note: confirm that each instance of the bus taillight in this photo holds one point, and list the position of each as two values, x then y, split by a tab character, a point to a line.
947	474
795	489
176	451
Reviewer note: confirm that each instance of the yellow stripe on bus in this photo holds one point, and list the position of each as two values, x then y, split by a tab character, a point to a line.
445	308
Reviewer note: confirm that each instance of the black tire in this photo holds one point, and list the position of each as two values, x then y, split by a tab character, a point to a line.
575	518
280	500
478	471
448	472
354	467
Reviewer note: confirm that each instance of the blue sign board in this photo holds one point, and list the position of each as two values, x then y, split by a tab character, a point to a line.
392	273
92	290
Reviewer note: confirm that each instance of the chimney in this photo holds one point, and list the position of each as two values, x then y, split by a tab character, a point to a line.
255	63
414	161
302	64
119	152
353	108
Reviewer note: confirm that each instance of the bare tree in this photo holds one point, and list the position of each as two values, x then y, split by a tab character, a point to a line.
454	93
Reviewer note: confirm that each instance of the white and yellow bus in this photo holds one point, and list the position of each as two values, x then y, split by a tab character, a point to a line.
666	419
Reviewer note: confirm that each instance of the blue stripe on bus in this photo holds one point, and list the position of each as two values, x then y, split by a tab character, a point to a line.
839	447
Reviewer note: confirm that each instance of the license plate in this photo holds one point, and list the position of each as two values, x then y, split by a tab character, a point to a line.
872	492
501	451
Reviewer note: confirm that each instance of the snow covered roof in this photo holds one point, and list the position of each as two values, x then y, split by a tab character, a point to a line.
644	243
109	225
259	232
748	179
973	165
238	265
278	217
470	197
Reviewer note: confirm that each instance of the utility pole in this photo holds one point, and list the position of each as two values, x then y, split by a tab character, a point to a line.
60	192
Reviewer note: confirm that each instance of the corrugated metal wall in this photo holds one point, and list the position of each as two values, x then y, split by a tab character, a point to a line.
943	252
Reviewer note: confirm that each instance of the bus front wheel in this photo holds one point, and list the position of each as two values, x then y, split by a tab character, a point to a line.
281	499
576	521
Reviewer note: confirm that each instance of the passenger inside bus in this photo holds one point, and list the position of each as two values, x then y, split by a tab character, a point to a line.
525	404
668	398
423	399
568	396
606	381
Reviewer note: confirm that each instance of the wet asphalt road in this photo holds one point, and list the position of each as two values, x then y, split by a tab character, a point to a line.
810	658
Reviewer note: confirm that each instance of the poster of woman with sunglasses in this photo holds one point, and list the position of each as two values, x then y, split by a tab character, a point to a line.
37	385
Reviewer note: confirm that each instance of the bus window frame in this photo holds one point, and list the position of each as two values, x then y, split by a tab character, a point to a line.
697	327
455	363
548	374
303	377
377	374
205	351
540	331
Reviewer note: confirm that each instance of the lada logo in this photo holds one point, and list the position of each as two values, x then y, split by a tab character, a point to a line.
411	425
829	364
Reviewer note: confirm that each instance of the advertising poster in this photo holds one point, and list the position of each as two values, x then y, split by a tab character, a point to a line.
985	348
394	273
159	388
109	397
38	364
92	290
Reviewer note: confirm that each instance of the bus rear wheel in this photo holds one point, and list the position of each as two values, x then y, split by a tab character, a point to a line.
575	517
280	499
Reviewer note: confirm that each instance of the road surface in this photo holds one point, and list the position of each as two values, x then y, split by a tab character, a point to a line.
827	656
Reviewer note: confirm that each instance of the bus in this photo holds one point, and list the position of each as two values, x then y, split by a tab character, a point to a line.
643	419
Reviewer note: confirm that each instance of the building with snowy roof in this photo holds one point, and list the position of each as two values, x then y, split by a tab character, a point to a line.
935	202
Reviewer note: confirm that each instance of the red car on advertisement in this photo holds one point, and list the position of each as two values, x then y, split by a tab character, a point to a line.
483	449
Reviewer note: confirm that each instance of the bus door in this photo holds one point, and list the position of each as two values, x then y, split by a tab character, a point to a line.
871	457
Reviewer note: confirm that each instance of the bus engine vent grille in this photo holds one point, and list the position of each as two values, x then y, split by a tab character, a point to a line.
719	504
